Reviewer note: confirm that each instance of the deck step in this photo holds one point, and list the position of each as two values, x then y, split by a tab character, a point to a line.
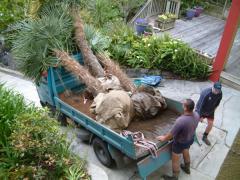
230	80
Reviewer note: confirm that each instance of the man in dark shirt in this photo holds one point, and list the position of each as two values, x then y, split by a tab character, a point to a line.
182	134
208	102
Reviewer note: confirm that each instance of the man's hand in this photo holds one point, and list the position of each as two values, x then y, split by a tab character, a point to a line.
161	138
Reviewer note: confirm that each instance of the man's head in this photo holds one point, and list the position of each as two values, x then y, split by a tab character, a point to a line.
217	86
188	105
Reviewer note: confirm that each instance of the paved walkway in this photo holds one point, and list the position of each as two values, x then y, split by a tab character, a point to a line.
206	161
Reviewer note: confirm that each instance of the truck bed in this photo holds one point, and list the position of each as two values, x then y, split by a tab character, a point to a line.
151	128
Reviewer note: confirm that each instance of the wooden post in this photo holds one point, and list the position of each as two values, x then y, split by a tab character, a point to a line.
168	7
227	40
177	8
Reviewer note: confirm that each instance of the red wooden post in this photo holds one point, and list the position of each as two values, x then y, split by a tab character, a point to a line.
227	40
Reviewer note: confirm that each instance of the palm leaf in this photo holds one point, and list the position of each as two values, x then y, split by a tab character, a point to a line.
34	40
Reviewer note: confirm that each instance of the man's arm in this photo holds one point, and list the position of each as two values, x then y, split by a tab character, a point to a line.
173	133
166	137
219	100
202	100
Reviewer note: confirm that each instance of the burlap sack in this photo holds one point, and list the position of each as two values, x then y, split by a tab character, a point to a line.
148	102
110	82
114	109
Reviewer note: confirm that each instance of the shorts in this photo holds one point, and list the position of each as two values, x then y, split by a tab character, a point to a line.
178	147
208	116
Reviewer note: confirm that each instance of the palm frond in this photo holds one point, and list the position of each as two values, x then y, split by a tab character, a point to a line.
34	39
97	41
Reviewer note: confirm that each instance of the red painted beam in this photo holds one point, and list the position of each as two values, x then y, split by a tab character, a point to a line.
227	40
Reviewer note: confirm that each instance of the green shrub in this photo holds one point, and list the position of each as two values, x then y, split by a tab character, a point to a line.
180	59
11	106
32	145
158	53
10	12
96	40
122	38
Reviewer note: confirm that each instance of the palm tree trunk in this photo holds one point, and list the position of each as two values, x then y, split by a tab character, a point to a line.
90	59
114	69
79	71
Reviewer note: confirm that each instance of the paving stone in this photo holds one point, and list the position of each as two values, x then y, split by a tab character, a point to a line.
212	162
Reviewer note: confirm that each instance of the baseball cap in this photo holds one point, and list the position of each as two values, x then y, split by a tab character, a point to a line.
217	85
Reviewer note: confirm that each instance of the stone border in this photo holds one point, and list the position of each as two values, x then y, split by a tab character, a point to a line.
12	72
140	72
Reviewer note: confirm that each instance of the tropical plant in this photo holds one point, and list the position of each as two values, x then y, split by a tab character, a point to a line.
96	40
34	40
167	54
102	11
90	59
122	39
179	58
36	7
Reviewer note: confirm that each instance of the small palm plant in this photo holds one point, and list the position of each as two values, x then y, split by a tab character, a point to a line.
34	40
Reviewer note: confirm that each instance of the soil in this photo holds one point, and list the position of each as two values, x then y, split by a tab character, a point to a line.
76	100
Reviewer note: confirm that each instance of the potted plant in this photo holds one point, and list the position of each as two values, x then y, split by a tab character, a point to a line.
166	21
198	10
141	25
190	13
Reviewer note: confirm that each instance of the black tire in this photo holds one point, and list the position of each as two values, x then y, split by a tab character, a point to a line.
84	134
101	150
62	118
43	104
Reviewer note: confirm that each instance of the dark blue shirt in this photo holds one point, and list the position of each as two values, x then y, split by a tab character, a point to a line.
208	102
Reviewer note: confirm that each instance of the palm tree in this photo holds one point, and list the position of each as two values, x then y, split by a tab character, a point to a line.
93	84
89	58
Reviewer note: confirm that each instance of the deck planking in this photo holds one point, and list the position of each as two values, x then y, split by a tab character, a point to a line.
204	34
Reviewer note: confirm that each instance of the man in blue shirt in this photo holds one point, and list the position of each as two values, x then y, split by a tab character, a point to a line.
182	134
209	100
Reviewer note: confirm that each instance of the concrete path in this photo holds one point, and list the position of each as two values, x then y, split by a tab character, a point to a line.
205	161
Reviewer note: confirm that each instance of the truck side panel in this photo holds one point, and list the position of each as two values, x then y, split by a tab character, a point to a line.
125	145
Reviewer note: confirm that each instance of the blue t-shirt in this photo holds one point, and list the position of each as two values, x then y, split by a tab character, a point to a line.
184	128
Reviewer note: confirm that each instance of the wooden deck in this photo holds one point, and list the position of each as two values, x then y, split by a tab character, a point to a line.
233	64
204	34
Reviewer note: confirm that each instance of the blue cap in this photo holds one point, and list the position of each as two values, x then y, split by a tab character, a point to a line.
217	85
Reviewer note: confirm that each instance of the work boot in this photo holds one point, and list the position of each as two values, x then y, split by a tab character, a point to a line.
205	139
174	177
166	177
186	167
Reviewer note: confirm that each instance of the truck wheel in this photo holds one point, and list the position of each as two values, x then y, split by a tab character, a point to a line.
62	118
101	150
43	104
84	134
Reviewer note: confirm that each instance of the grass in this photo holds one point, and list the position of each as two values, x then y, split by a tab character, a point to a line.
231	166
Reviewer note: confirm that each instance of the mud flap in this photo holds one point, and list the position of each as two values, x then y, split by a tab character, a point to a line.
149	164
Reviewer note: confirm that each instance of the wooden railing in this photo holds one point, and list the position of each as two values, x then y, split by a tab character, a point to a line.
156	7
